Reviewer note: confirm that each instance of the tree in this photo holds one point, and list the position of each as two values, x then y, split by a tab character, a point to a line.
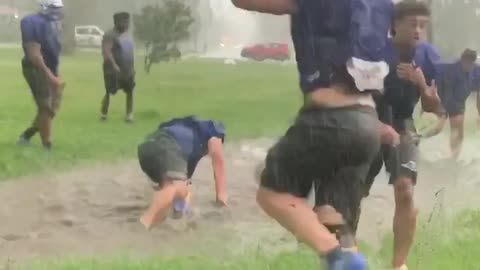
160	28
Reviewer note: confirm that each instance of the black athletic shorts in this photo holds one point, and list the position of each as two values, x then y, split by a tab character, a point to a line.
115	82
452	109
329	148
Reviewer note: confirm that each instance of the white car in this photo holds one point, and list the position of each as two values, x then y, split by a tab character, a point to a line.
88	36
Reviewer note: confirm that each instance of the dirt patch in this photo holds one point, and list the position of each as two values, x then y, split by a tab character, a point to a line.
95	211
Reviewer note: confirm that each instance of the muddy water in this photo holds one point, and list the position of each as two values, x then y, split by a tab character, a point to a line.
94	211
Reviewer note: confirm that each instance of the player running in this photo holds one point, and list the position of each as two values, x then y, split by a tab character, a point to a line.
339	49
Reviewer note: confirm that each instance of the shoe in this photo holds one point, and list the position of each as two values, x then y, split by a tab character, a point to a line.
129	119
345	260
180	208
103	117
403	267
22	141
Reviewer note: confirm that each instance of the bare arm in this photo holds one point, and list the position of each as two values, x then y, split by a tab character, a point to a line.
428	94
215	149
107	52
34	55
429	98
276	7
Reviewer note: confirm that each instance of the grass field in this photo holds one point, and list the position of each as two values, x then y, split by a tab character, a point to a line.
252	99
439	246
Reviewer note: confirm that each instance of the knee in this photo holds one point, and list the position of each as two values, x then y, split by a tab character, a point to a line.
404	192
327	215
45	113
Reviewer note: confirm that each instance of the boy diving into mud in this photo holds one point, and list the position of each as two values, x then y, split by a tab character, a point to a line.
169	157
412	70
339	49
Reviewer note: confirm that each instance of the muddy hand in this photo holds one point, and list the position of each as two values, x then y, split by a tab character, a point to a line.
222	200
389	135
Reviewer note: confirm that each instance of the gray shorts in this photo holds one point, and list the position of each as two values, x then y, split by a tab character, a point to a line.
161	159
329	149
46	98
399	161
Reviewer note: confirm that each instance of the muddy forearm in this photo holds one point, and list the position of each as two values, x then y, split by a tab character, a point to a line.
218	164
430	103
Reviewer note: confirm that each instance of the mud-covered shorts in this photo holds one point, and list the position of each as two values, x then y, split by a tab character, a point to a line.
161	158
46	98
330	149
399	161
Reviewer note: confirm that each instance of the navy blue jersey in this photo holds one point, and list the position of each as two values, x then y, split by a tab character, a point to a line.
326	34
39	29
454	84
192	135
403	95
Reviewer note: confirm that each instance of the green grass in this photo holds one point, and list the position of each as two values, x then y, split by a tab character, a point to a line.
251	99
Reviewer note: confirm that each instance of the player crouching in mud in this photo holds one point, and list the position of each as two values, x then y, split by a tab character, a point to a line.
339	49
169	157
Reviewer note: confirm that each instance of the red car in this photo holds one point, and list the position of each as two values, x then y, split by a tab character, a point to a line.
260	52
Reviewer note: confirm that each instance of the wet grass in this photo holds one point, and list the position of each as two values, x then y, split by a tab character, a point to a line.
251	99
440	246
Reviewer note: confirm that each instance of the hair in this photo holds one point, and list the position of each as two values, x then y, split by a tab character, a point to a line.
405	9
121	17
469	55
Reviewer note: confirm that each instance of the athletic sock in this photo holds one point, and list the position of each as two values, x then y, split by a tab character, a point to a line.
47	145
29	133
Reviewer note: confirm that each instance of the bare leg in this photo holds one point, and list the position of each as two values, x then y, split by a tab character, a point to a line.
105	106
328	216
162	202
45	126
297	217
31	131
129	106
456	134
404	221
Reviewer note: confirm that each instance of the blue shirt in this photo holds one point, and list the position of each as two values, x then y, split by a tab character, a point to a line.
454	84
37	28
192	135
403	95
326	34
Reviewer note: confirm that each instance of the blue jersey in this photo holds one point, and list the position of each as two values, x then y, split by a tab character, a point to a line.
326	34
39	29
403	95
454	84
192	135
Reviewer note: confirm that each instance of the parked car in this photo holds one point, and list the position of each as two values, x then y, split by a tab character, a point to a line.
88	36
264	51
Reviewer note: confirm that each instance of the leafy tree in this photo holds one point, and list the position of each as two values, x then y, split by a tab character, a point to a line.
160	28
